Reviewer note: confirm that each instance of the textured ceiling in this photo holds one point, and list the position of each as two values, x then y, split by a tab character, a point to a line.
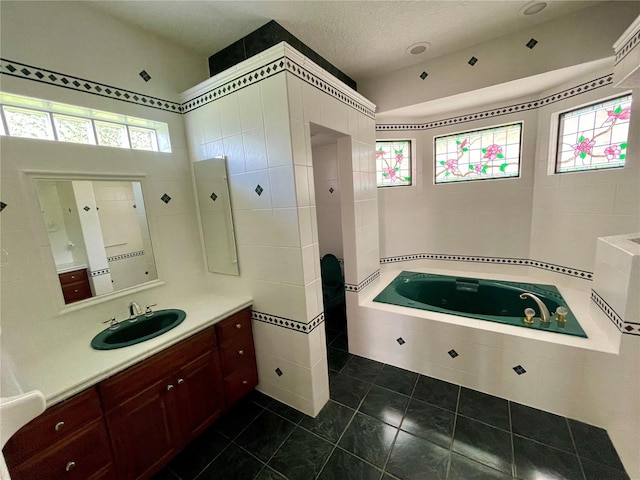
364	39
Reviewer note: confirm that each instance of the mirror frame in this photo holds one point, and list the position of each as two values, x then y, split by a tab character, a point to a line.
208	255
29	177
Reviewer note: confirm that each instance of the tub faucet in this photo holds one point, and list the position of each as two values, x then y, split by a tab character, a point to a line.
545	316
134	311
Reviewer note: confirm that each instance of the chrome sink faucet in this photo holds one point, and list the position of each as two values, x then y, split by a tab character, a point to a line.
545	316
134	311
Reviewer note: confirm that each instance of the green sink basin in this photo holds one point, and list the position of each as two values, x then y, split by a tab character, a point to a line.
145	328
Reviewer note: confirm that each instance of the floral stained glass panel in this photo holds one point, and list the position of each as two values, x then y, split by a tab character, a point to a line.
393	163
594	137
478	155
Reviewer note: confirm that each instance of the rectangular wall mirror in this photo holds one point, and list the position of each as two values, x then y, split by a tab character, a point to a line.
98	234
216	221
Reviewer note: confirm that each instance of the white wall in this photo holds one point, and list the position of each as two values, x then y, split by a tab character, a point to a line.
328	206
570	211
489	217
586	35
74	39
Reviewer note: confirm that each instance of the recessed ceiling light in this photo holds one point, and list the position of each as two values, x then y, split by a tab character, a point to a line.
532	8
418	48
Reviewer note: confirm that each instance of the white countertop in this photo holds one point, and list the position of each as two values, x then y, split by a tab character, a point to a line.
70	267
70	365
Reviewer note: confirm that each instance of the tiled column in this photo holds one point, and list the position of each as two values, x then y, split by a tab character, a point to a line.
92	233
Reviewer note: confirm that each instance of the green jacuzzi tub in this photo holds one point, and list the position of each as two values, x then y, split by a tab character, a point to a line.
492	300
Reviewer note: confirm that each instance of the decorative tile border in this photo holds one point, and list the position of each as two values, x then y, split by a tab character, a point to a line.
270	69
363	284
258	74
125	255
506	110
628	328
287	322
288	60
71	82
525	262
96	273
627	47
315	81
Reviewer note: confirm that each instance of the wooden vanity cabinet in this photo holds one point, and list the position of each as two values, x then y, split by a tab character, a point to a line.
131	425
68	441
237	355
155	408
75	285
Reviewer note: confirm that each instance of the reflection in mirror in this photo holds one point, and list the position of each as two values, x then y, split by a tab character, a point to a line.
98	234
216	221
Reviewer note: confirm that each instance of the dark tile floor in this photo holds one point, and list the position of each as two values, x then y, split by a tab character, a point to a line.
386	423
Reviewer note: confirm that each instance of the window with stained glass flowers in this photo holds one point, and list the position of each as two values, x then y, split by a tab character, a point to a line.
594	137
479	154
393	163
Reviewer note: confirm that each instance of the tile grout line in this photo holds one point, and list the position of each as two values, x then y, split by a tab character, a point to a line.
514	470
231	441
453	431
339	438
575	448
393	444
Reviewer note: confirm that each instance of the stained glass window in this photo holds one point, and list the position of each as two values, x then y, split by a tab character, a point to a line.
28	123
74	129
393	163
478	155
594	137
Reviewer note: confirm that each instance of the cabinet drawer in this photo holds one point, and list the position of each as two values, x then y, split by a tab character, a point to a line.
79	458
237	354
56	424
73	277
239	383
235	326
74	292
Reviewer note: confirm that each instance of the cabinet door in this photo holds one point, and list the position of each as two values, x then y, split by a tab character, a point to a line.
200	393
144	431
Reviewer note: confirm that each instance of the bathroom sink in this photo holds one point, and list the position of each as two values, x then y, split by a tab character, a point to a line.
144	328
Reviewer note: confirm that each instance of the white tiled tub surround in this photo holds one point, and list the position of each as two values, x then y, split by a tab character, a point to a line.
553	220
259	114
594	380
617	280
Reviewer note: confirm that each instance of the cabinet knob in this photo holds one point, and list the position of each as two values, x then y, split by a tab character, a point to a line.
169	387
75	291
244	382
70	466
180	381
73	276
238	326
58	426
240	352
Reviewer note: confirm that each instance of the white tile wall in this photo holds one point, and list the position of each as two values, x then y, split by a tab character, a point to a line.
265	133
30	294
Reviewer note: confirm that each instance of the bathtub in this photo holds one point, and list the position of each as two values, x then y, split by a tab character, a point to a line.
491	300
